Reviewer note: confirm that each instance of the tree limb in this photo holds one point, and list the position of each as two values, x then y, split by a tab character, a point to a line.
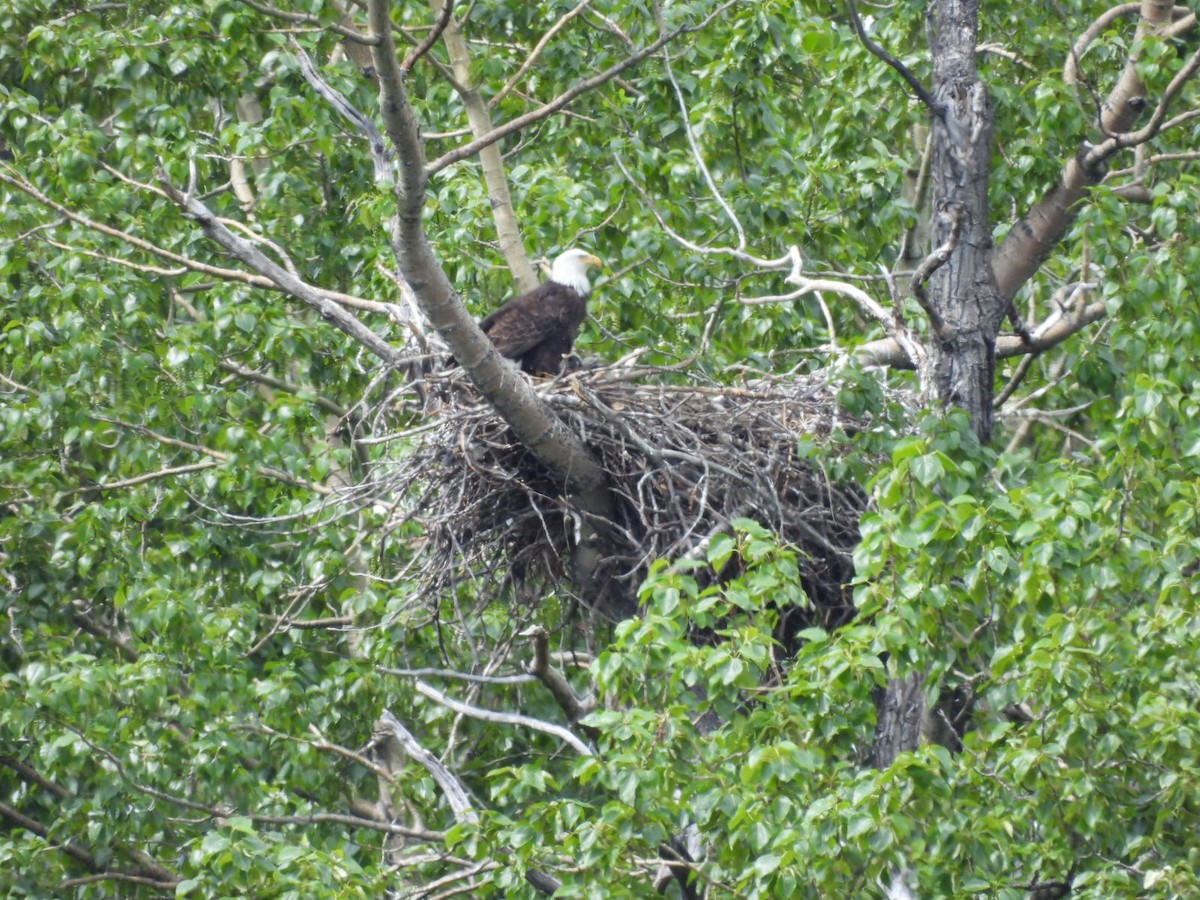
507	390
913	82
1030	240
508	231
574	706
234	275
456	794
430	39
251	256
304	19
490	715
545	39
78	853
1056	329
565	98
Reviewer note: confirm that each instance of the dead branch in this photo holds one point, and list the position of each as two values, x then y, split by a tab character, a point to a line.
252	257
503	718
456	794
235	275
574	706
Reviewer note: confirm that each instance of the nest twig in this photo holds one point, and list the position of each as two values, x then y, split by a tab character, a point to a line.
683	460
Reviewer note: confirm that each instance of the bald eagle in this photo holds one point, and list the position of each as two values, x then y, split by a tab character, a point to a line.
538	328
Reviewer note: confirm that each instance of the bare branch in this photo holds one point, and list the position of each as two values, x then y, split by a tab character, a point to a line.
565	98
430	39
455	793
169	472
887	352
303	19
488	715
380	156
235	275
537	51
527	678
1186	156
913	82
247	253
699	157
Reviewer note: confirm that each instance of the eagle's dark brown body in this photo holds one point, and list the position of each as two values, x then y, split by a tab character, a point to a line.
538	329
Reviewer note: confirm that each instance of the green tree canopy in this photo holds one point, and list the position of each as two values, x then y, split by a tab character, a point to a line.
231	234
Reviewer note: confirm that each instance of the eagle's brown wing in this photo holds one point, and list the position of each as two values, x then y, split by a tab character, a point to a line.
526	321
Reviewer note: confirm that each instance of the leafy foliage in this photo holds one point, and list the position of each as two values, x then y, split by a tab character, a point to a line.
194	626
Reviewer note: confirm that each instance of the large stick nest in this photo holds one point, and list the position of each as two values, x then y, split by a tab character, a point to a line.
683	461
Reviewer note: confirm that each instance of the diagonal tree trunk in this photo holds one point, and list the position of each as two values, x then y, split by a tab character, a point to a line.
509	392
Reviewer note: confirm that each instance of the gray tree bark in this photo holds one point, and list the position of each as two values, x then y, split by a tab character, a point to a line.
966	308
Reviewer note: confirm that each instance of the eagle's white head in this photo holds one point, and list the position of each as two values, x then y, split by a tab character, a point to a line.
571	269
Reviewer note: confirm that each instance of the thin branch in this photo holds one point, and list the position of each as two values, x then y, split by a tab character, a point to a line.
34	777
70	847
488	715
250	255
304	19
423	834
120	877
524	678
149	476
1187	156
235	275
1013	383
16	385
913	82
537	51
219	456
329	406
698	156
430	39
565	98
787	261
116	260
932	263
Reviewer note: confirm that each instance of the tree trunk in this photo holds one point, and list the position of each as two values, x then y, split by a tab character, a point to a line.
967	309
964	306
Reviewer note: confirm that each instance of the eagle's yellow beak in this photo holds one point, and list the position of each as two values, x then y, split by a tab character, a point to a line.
594	262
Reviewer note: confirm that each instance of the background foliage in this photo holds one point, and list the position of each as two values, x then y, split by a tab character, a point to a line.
166	521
